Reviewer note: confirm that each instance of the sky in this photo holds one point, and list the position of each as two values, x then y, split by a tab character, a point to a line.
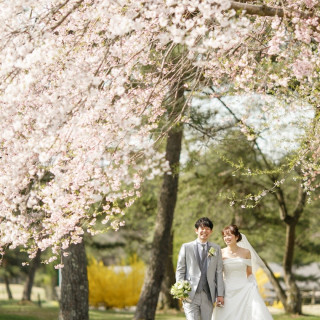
280	126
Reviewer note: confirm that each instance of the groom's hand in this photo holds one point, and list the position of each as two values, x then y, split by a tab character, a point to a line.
220	301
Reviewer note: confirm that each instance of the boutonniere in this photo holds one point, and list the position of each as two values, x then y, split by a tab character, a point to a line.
212	252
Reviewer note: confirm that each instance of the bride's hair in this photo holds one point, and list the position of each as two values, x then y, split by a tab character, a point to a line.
232	228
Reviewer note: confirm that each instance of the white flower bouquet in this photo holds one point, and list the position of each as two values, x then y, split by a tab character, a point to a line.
181	289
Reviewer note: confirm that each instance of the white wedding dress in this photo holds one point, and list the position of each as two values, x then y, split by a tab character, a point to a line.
242	300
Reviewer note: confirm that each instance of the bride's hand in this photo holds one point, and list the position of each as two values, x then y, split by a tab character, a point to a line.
220	302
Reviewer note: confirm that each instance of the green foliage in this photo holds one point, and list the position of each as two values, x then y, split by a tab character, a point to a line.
206	186
230	182
13	310
15	317
12	263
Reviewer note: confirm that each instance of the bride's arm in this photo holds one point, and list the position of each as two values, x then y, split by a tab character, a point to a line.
249	268
219	278
250	276
249	271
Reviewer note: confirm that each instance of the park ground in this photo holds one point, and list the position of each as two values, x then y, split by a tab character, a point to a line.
15	310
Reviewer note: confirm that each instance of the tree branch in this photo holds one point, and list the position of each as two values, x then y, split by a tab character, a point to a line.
240	121
76	5
301	202
284	215
276	284
266	11
207	132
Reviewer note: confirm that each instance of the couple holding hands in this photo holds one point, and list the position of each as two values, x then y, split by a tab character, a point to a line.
224	278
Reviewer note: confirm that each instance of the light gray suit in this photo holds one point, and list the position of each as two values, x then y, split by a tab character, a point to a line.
189	268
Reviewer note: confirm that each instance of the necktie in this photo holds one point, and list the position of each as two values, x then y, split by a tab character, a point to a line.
203	253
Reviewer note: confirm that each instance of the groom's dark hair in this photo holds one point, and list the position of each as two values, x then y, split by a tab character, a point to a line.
204	222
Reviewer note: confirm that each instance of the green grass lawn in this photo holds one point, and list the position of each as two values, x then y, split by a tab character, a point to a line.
18	311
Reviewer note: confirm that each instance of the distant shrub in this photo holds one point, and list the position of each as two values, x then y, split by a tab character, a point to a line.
262	279
115	286
277	304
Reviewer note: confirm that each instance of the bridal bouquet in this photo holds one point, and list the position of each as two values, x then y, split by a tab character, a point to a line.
181	289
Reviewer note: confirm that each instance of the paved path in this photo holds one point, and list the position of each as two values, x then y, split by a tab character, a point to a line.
313	309
306	309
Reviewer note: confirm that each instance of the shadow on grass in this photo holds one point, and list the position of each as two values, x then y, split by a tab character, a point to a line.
116	315
17	310
15	317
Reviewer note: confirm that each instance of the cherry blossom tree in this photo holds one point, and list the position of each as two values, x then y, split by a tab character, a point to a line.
82	92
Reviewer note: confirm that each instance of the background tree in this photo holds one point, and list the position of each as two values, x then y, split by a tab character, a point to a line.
33	266
159	260
221	171
166	300
12	269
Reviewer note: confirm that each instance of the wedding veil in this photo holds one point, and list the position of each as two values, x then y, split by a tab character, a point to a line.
255	259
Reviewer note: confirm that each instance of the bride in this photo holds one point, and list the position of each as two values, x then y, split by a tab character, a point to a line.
242	299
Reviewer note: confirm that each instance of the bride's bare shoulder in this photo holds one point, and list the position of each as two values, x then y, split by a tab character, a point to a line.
245	253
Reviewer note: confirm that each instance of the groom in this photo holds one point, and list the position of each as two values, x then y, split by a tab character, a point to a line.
200	262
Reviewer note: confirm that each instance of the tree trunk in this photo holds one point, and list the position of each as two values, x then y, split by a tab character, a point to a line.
294	301
6	281
34	265
74	304
166	300
281	294
147	304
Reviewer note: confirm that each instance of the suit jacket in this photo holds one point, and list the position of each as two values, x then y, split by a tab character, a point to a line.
188	268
